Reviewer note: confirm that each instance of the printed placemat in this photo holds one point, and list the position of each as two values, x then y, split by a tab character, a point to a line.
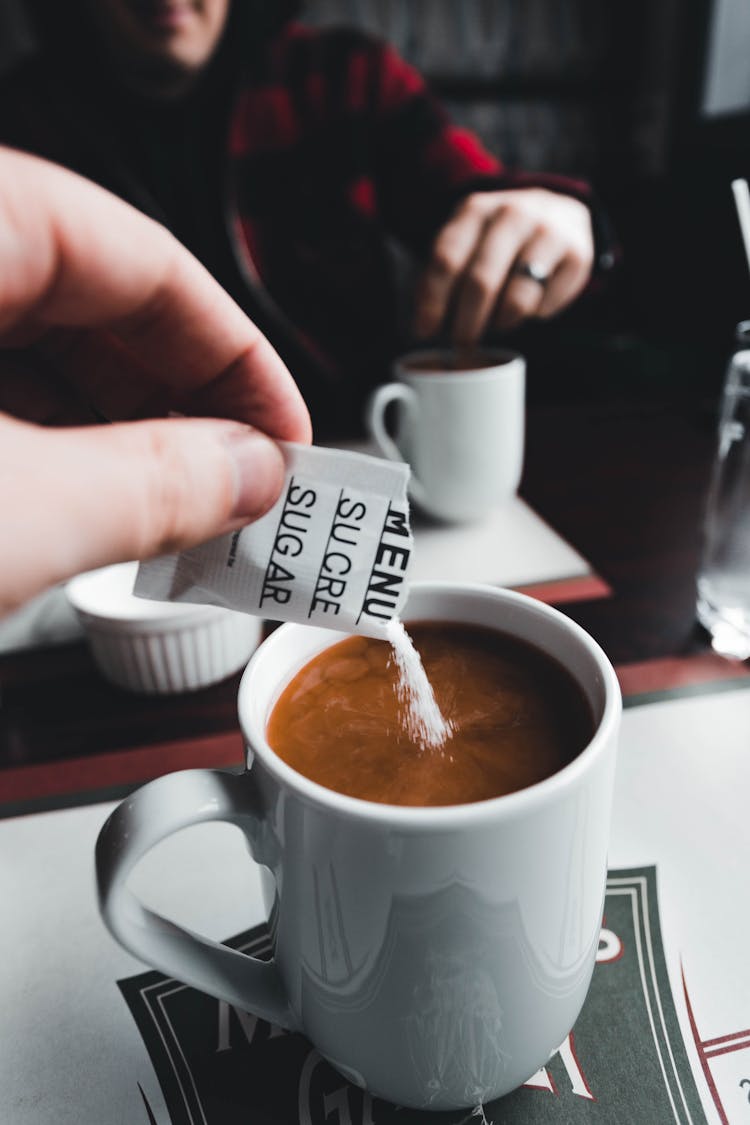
624	1061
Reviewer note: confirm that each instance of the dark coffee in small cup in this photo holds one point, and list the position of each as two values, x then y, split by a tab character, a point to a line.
463	359
459	422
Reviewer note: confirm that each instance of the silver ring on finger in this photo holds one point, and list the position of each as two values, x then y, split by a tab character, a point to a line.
535	271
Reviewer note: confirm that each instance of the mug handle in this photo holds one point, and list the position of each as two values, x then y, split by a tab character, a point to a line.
152	813
376	408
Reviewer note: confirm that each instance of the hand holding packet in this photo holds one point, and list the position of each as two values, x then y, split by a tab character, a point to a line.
333	551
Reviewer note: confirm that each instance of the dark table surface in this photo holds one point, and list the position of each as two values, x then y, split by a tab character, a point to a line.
623	481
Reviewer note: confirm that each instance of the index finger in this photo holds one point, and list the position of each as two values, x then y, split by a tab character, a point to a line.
75	256
452	250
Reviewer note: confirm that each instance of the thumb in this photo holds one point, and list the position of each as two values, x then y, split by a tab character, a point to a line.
74	499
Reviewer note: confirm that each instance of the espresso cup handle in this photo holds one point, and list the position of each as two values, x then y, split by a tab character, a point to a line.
376	408
154	812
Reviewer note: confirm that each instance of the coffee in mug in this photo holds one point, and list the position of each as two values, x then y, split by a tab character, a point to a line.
435	955
515	715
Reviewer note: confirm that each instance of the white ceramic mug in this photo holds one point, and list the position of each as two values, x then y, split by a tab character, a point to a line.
436	956
462	431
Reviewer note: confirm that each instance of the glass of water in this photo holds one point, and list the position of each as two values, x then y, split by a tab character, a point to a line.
724	576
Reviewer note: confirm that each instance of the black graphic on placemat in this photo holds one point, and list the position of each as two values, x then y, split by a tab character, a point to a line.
624	1062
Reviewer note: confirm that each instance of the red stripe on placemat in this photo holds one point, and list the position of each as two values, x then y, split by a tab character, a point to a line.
702	1054
673	673
726	1038
585	588
121	767
731	1049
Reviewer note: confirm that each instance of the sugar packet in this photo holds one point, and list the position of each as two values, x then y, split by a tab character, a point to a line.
333	551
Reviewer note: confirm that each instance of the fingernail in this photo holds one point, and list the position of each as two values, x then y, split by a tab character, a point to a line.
259	473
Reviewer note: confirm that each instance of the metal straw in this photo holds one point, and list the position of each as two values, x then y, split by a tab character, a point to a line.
742	201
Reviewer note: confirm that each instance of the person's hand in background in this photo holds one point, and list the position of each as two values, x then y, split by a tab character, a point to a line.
502	257
104	314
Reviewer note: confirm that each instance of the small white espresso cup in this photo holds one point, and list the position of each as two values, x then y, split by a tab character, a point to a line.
435	956
460	425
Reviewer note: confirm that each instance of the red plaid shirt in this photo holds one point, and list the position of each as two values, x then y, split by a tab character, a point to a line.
335	145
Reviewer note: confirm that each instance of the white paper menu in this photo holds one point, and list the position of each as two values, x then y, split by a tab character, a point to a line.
72	1052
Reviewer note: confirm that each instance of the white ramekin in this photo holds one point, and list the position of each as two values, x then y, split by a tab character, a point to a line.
158	647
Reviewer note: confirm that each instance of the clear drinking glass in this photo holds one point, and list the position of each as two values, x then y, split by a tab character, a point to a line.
724	576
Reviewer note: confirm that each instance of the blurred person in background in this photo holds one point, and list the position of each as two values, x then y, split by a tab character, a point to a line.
285	158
